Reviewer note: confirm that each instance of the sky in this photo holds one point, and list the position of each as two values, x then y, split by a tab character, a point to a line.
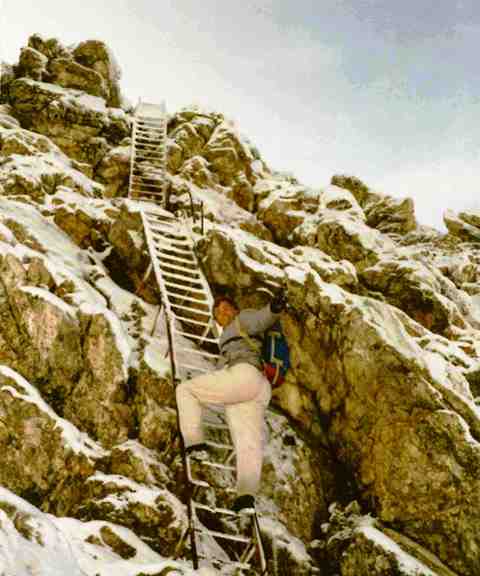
383	90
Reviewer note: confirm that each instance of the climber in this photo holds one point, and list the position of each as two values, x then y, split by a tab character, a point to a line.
238	384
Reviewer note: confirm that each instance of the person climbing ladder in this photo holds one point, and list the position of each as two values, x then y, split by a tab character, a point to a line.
238	384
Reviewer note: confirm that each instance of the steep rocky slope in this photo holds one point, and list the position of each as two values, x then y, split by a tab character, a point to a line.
373	460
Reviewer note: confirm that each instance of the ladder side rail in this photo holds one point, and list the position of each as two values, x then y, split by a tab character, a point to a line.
163	149
132	155
203	279
170	325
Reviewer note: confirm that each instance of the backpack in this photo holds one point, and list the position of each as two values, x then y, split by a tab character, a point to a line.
275	354
273	350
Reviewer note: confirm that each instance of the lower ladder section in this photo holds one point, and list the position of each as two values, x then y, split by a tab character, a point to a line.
223	539
219	537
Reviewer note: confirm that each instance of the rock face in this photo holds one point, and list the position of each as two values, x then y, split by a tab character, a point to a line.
373	459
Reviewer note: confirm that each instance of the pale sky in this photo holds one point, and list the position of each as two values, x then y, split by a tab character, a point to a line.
384	90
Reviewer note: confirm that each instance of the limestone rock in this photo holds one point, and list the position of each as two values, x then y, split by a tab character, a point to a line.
97	56
7	75
424	293
385	213
32	64
295	478
81	125
284	208
356	544
68	73
31	539
396	458
360	191
346	239
391	215
99	398
341	272
49	47
155	514
7	121
40	451
465	225
41	174
393	405
114	171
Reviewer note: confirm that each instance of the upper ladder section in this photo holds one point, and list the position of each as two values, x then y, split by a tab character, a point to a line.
185	293
148	170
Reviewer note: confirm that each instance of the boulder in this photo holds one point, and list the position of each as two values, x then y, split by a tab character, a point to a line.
465	226
354	544
345	239
49	47
80	124
424	293
113	171
385	213
154	513
97	56
32	64
68	73
41	452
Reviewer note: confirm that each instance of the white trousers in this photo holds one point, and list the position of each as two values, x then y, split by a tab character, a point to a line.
245	393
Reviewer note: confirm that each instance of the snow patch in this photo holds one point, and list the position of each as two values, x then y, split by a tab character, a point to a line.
77	441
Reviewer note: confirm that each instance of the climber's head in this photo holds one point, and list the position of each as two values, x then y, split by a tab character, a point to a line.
224	310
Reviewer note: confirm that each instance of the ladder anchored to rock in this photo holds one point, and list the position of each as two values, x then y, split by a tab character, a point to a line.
219	537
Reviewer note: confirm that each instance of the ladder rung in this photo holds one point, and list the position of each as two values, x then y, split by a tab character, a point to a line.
159	238
195	310
183	269
215	465
188	289
180	277
200	483
143	175
180	296
150	120
173	249
190	321
152	197
195	337
231	563
147	212
167	227
170	233
146	138
219	445
145	187
150	129
199	352
175	259
149	187
216	534
225	511
216	426
170	225
153	154
190	367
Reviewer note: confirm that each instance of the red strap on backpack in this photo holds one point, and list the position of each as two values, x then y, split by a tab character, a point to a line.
272	372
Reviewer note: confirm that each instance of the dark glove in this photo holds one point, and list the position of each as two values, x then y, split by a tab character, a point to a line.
278	303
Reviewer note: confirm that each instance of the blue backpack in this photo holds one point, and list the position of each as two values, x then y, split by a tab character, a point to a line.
275	354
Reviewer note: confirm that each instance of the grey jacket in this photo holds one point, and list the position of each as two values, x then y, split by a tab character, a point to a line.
236	349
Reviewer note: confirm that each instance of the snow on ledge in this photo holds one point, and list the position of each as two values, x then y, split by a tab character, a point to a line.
77	441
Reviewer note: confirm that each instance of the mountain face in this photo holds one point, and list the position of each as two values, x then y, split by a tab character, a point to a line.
372	465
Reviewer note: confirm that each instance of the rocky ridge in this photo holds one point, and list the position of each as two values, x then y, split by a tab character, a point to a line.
373	462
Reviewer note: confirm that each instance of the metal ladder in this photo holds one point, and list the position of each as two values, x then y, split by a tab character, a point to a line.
148	160
218	536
